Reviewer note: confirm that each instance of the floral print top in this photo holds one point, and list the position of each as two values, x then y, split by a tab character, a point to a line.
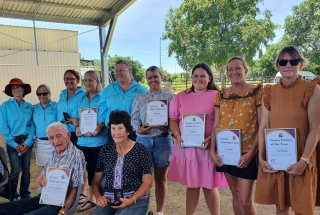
239	111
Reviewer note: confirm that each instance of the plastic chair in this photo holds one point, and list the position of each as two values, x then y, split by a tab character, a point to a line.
5	184
74	206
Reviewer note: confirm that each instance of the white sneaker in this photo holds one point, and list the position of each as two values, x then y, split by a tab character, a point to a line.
159	213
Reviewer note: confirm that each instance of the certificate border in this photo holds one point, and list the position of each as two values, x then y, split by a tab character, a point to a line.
203	117
233	130
95	109
285	129
147	117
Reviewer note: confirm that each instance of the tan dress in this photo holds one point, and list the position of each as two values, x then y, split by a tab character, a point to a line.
288	109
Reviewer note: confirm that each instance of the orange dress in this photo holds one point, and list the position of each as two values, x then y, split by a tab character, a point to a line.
288	109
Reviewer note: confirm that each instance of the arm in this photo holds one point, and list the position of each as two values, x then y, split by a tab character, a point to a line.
75	122
102	201
174	127
312	139
4	128
102	113
214	156
71	196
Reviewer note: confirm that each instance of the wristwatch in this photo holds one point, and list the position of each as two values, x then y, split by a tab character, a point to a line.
305	160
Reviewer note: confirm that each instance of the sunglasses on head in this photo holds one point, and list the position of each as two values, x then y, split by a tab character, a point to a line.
44	94
293	62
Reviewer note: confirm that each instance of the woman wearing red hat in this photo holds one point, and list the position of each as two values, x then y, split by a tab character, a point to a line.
18	132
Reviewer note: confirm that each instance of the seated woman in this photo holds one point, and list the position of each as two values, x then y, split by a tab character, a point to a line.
126	167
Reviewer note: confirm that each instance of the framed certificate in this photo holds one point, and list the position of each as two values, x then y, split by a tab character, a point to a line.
281	147
193	128
88	120
228	143
55	191
157	112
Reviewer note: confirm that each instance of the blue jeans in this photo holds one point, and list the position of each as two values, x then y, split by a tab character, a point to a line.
159	149
139	208
29	206
18	163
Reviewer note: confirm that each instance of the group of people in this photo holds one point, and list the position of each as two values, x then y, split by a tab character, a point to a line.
123	147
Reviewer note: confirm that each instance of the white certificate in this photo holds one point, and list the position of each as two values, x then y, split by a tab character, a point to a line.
157	112
229	145
193	128
55	191
281	147
88	120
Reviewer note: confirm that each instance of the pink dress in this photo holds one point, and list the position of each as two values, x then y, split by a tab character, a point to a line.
193	166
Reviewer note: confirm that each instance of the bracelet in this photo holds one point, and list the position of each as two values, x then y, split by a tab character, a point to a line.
135	200
62	212
76	126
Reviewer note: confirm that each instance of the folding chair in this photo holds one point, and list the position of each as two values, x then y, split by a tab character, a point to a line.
5	184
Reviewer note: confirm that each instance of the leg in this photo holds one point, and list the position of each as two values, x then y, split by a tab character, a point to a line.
161	187
139	208
84	187
25	177
14	160
192	199
234	187
20	207
103	210
282	212
45	210
213	200
246	188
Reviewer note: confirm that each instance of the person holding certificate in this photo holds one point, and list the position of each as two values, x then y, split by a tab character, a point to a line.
44	113
192	166
291	103
149	118
89	143
238	108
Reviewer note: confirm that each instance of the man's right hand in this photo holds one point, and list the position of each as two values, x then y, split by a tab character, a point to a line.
42	181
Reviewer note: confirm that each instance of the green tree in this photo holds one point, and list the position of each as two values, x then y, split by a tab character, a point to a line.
137	71
211	31
304	28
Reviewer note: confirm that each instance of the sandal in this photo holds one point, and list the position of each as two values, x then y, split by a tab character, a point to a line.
82	199
86	206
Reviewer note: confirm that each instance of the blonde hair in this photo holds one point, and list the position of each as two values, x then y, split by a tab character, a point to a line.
95	77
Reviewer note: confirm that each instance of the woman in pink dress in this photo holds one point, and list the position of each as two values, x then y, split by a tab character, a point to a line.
193	166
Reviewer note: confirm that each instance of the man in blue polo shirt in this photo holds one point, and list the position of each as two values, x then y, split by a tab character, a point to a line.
119	95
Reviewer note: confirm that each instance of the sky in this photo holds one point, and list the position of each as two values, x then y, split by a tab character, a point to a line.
138	31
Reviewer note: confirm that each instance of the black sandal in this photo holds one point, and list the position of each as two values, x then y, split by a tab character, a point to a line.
84	208
83	199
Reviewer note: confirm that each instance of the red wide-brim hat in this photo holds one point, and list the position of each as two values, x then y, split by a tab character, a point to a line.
17	81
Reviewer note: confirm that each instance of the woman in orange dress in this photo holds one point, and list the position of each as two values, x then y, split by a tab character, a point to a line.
239	107
292	103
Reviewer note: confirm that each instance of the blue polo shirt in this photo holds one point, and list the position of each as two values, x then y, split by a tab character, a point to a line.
90	141
68	106
15	121
113	98
43	117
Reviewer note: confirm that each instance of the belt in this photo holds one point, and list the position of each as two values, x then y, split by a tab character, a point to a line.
20	139
43	138
163	134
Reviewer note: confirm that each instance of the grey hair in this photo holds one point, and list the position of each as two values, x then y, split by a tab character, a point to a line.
95	77
44	86
56	124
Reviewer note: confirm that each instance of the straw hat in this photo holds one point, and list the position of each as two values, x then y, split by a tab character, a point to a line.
17	81
168	87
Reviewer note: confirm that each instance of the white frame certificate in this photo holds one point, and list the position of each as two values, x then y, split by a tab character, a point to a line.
228	142
281	147
55	191
88	120
157	112
193	130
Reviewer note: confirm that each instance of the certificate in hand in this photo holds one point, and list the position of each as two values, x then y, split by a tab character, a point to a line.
228	145
55	191
88	120
157	112
281	147
193	128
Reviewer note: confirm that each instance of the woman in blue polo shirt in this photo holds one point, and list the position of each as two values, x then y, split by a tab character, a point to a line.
44	113
18	132
88	141
68	101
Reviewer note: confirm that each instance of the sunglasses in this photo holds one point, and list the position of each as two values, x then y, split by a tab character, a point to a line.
44	94
293	62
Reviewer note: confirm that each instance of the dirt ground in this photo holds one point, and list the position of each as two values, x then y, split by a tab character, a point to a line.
175	203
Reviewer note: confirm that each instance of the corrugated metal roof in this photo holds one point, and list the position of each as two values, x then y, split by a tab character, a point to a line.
86	12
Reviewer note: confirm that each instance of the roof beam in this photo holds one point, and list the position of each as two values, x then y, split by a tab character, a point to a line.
60	5
48	18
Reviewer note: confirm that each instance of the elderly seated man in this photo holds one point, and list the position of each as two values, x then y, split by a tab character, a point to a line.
65	154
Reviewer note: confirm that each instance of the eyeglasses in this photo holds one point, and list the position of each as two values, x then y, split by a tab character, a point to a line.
293	62
44	94
69	79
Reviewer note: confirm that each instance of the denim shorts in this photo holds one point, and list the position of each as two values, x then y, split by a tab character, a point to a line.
159	149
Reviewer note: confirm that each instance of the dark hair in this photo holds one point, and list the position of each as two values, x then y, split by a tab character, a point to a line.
211	84
294	52
119	116
153	69
124	62
73	72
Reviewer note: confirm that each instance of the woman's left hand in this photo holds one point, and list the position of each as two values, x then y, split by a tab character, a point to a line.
297	168
206	142
125	203
245	160
88	134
